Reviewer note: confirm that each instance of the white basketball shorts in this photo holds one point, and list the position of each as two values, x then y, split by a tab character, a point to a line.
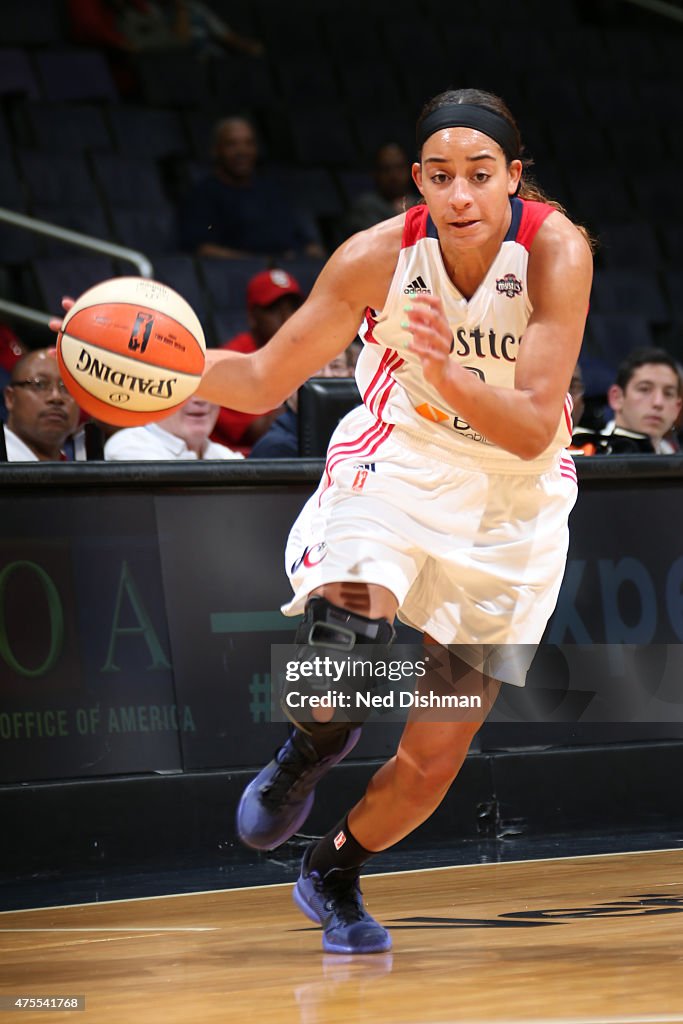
474	556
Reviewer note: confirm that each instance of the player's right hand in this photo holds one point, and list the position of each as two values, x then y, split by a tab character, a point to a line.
55	323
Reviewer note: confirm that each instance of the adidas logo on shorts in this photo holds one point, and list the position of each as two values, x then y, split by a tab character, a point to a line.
417	287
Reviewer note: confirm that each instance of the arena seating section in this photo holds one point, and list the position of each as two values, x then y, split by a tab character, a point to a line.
598	98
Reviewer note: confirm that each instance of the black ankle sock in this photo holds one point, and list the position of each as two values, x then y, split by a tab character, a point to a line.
338	849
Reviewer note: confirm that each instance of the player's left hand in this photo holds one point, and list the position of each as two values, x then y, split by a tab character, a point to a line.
432	338
55	323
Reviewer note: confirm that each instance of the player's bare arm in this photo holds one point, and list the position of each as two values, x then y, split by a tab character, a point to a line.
522	420
356	276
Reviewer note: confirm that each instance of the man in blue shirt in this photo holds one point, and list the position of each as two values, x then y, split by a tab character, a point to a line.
235	212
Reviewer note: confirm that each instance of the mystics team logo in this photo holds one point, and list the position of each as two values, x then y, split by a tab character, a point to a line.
509	285
311	557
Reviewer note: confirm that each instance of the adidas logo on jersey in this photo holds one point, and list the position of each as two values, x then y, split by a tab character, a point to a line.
417	287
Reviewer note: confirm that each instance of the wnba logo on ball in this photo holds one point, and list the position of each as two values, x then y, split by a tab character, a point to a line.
142	329
119	398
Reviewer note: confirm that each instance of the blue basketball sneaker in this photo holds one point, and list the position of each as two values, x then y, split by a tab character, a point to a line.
336	902
276	804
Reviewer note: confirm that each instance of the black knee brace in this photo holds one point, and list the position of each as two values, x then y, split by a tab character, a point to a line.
346	640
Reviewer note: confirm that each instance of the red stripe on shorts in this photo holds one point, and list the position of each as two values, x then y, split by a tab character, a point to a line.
365	446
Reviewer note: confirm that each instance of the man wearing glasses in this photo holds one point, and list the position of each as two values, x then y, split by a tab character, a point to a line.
41	413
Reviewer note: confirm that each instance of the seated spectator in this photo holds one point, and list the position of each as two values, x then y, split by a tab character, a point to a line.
282	440
41	414
235	212
183	435
394	191
11	351
646	400
206	34
190	24
272	297
97	23
576	391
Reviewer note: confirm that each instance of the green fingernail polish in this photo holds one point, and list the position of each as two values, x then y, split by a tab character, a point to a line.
405	325
408	307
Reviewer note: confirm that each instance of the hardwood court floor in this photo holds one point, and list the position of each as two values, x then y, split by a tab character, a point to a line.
582	939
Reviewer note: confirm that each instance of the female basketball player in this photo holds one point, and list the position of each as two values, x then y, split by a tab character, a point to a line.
445	497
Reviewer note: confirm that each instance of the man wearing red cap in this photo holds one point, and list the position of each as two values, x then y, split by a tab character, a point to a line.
272	297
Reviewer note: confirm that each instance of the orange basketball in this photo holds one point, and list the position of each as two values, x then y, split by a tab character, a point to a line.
131	351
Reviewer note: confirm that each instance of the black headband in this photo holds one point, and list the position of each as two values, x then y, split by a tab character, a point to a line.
467	115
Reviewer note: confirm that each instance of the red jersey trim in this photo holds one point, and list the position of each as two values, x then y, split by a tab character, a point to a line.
533	215
415	226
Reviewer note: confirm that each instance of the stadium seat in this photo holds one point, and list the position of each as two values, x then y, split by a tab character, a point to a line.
598	375
295	75
634	293
226	323
660	196
354	184
673	283
283	33
407	41
239	84
321	135
75	75
626	141
311	189
64	178
600	197
629	49
613	336
608	99
72	128
226	280
199	126
171	79
57	276
156	133
180	273
150	230
441	12
367	77
32	22
629	244
671	235
373	127
129	182
571	137
88	220
537	46
580	47
547	93
17	77
16	245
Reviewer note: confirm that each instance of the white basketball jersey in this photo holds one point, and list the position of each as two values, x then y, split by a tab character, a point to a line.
487	331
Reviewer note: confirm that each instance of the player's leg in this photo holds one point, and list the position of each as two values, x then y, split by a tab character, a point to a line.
347	616
402	794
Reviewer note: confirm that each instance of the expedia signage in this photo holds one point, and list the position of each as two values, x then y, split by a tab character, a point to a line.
93	367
